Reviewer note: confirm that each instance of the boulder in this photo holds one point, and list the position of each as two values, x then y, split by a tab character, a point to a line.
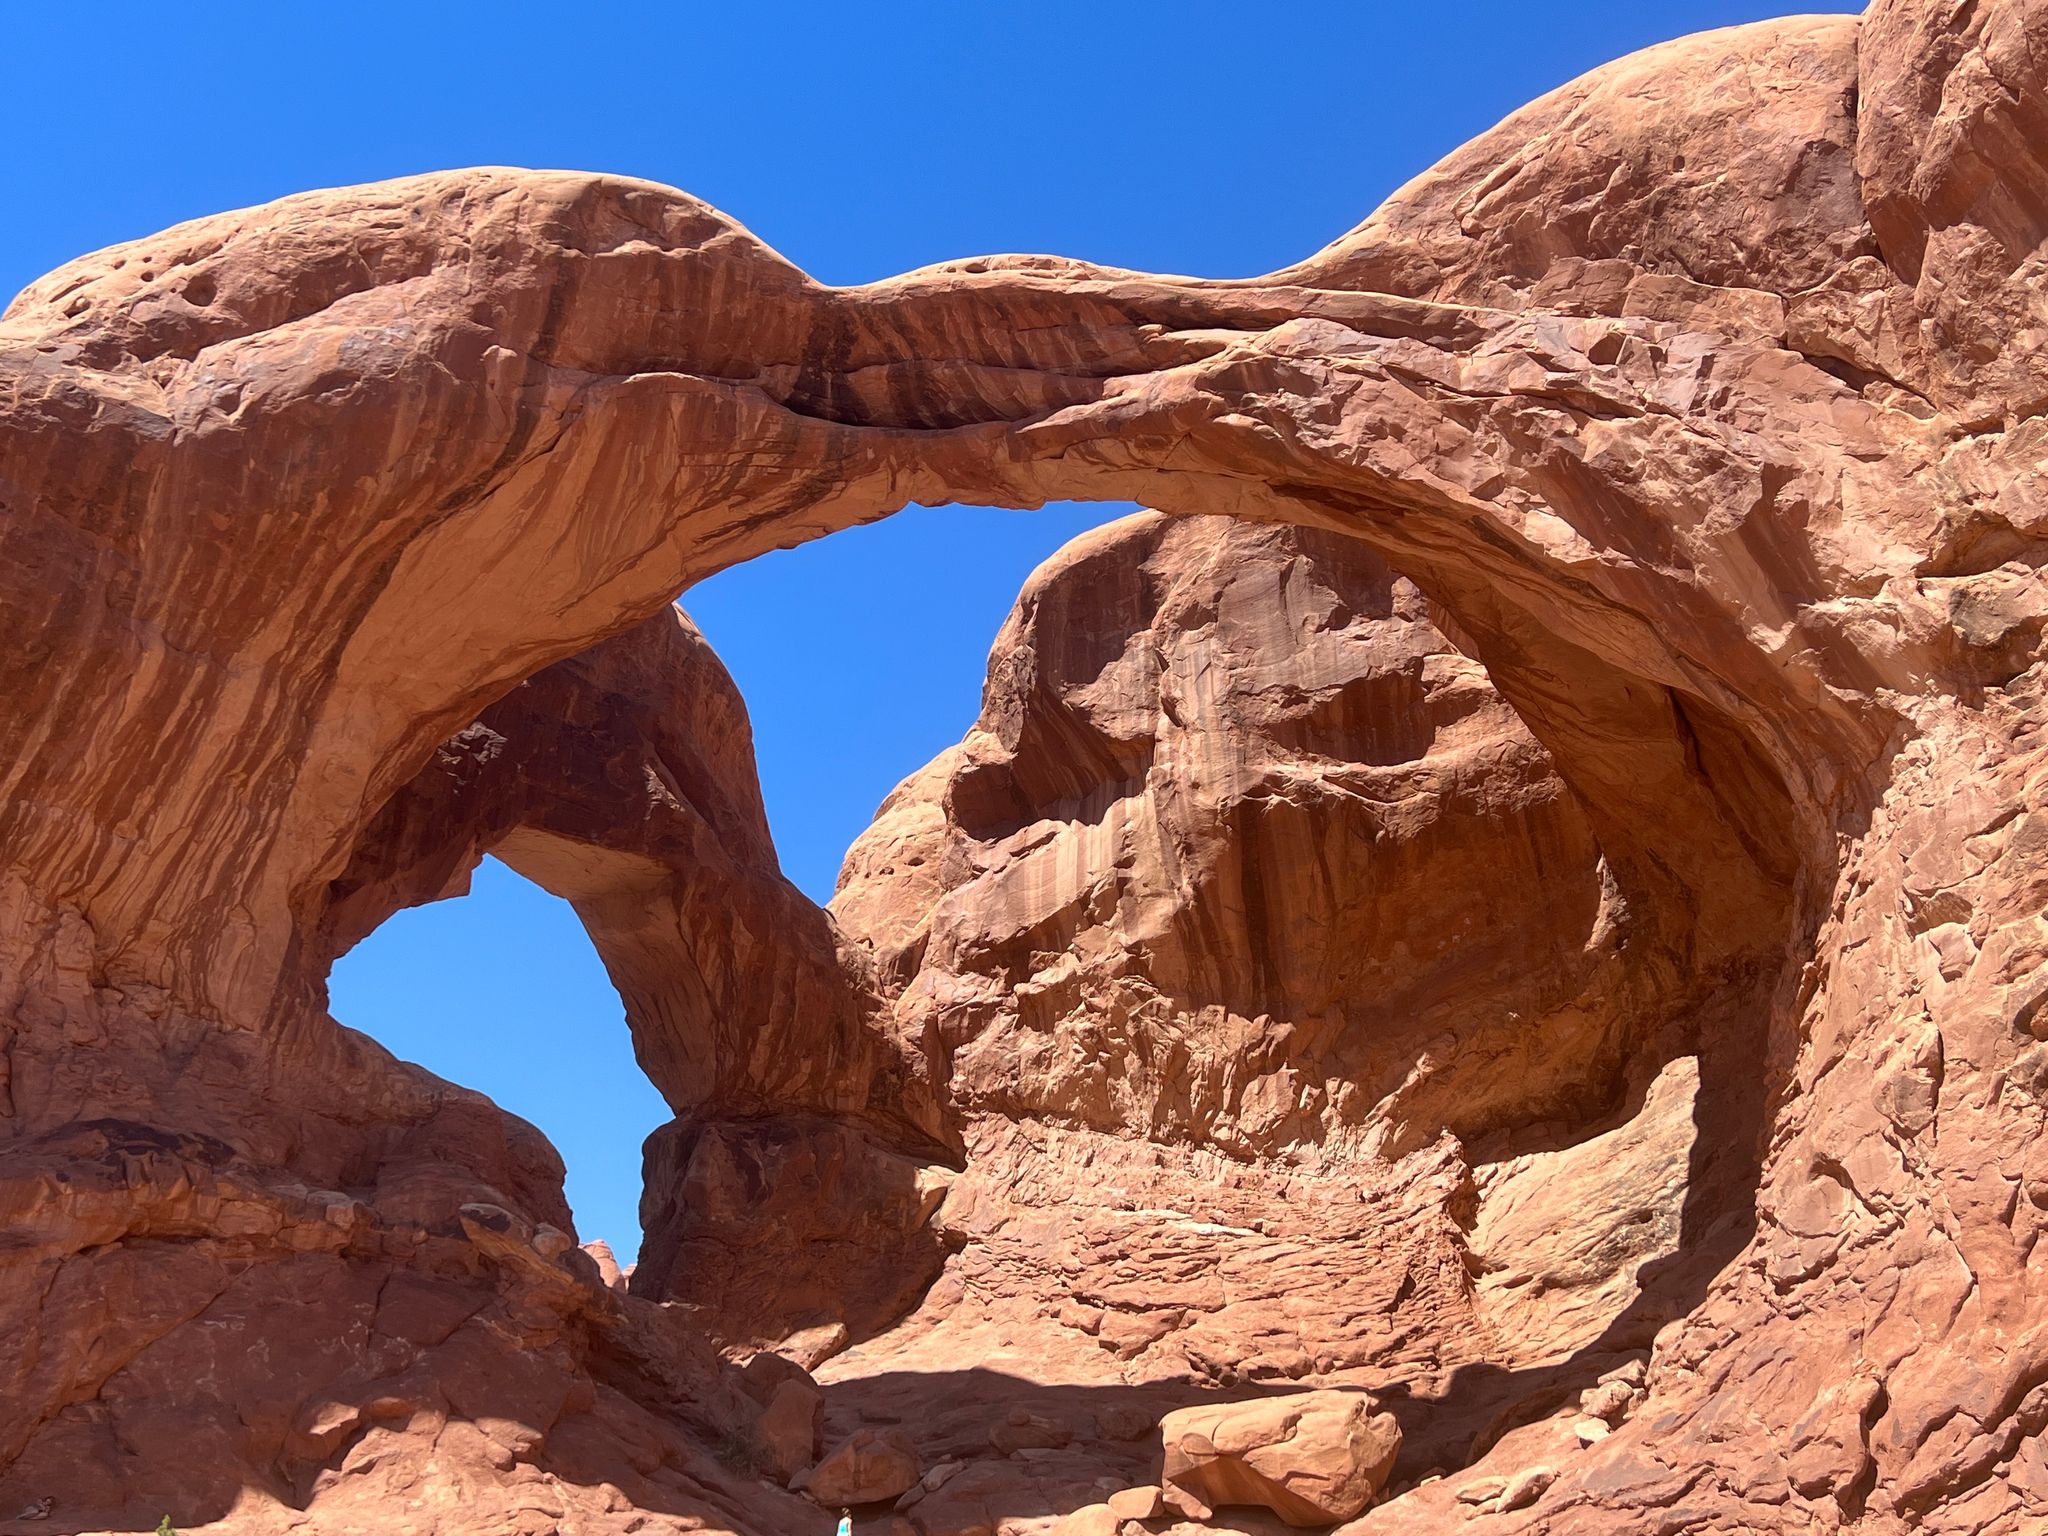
786	1433
1312	1458
867	1467
1088	1520
1482	1490
609	1274
1526	1487
1144	1503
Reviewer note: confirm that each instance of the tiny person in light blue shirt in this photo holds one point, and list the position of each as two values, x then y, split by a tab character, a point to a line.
846	1522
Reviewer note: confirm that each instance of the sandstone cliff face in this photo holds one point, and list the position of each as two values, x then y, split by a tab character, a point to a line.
1703	396
1242	853
1282	1003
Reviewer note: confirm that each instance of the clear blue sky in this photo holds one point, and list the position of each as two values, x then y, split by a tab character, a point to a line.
859	139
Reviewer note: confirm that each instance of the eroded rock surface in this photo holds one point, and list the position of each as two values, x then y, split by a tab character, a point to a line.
623	780
1703	399
1313	1458
1241	855
1283	1006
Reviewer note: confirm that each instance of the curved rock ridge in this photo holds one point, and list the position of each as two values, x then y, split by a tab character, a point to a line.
1703	397
623	780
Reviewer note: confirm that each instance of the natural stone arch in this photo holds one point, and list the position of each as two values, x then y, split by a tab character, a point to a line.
625	434
294	494
591	480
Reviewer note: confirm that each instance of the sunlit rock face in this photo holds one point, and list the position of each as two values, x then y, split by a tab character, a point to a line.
1702	399
1279	996
1244	853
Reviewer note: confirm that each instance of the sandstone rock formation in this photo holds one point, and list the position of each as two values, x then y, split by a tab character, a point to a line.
1260	1004
1699	406
787	1430
623	780
1313	1458
867	1468
1240	854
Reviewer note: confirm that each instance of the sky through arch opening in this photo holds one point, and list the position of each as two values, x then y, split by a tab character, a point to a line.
502	991
856	669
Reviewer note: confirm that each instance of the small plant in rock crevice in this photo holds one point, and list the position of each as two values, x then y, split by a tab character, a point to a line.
736	1452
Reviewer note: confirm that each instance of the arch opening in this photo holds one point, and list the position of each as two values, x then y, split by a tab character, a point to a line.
623	780
501	991
1670	1032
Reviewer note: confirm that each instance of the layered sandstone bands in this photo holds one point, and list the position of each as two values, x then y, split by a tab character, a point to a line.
1701	404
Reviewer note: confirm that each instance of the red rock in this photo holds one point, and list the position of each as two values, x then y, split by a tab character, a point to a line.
1120	1422
1150	814
1089	1520
1144	1503
1127	898
1526	1487
1179	1501
623	779
867	1468
1022	1429
1313	1458
1703	400
608	1272
787	1430
1609	1400
1482	1490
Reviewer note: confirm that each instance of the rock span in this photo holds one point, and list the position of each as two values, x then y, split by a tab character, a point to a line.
1694	1185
